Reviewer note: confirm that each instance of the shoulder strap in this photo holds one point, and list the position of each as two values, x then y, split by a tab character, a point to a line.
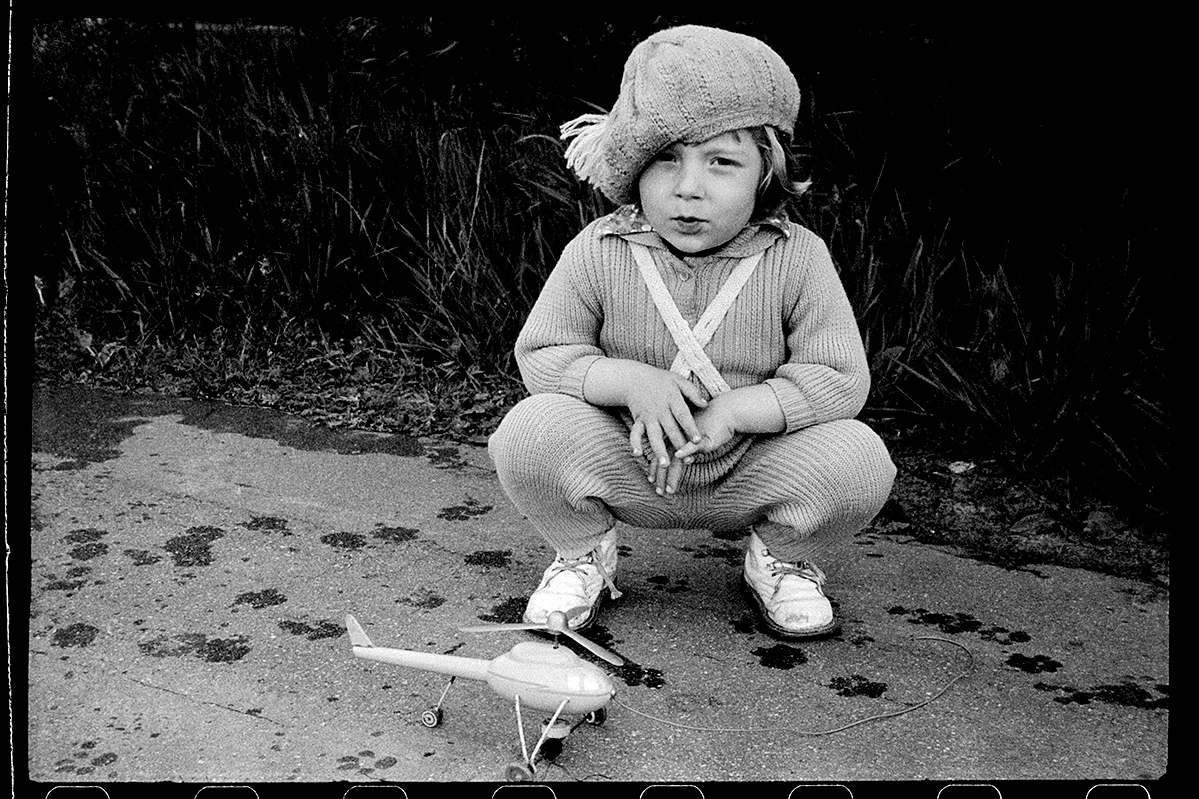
691	357
714	314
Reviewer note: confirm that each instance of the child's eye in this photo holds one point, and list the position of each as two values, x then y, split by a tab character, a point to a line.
718	161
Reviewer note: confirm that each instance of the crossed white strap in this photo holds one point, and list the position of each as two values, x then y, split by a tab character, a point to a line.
691	358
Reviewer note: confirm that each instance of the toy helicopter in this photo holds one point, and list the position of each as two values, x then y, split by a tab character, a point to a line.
537	675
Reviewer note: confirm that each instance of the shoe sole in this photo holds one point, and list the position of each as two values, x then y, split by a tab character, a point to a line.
591	617
776	629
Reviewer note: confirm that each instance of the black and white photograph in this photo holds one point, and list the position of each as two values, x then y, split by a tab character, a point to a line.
603	398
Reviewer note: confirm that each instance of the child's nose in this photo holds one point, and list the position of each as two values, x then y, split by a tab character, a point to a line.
689	181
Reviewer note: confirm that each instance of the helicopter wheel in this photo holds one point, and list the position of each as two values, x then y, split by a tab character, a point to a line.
551	748
597	717
518	772
431	717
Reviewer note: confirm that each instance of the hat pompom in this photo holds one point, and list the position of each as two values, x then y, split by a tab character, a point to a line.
585	152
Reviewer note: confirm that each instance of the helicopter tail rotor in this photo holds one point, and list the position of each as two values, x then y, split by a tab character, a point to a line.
358	636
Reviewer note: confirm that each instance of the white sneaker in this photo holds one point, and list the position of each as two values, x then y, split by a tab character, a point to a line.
789	596
570	584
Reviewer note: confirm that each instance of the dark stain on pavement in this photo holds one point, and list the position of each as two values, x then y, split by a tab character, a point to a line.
355	762
142	557
728	554
857	685
224	650
634	674
746	625
662	583
89	551
86	752
344	540
322	629
87	424
460	513
395	535
1004	636
78	634
195	547
946	622
1127	694
260	599
490	557
56	584
85	535
215	650
780	656
270	524
425	600
510	611
1033	665
599	634
172	646
953	623
88	539
729	535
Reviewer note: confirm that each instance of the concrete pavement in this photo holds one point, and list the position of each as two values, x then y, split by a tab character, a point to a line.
191	566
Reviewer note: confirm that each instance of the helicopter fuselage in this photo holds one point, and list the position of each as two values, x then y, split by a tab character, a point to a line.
542	675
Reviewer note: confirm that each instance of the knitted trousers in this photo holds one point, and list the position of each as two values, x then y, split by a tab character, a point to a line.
567	466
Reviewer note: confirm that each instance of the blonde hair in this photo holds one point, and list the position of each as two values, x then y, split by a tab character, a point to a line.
778	168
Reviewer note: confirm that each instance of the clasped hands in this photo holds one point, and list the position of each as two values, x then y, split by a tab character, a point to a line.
673	417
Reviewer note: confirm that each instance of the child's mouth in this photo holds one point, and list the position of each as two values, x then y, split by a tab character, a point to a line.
688	224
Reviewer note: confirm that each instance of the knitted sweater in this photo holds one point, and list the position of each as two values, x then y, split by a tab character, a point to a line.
791	327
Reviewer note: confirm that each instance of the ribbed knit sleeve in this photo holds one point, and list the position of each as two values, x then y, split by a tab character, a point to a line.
826	374
560	339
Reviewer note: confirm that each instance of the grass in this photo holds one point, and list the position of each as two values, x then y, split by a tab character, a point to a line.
239	217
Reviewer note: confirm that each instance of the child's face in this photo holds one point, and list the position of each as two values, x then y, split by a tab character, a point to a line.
699	196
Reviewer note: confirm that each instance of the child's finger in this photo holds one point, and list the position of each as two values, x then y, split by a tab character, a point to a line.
690	429
661	479
672	428
661	457
637	438
674	474
692	448
692	392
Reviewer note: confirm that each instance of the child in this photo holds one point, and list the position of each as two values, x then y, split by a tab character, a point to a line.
693	359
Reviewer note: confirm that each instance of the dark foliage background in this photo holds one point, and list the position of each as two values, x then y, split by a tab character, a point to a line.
349	217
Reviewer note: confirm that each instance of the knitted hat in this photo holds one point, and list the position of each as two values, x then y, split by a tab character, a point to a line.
688	84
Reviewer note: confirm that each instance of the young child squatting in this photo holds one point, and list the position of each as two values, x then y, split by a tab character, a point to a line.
693	360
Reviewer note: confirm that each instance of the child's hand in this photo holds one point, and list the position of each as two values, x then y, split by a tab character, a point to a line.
716	425
660	403
716	428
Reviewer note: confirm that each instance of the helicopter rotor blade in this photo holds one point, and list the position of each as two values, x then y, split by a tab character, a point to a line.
495	628
594	649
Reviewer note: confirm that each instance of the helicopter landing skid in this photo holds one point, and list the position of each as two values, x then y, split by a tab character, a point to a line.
554	731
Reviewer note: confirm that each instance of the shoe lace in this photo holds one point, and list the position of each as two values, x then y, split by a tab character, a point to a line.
808	571
562	564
